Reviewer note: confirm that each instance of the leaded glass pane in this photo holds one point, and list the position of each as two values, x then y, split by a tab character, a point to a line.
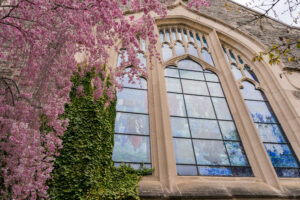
284	172
126	103
180	127
191	75
144	45
166	52
161	36
189	65
232	56
140	84
128	148
173	85
236	72
270	133
194	87
168	35
210	152
205	42
142	58
132	123
249	92
261	112
179	49
242	171
207	57
198	40
214	171
174	34
176	104
250	74
205	129
221	108
192	36
281	155
211	77
215	89
185	35
186	170
179	34
240	59
192	50
199	107
228	130
183	151
171	72
236	155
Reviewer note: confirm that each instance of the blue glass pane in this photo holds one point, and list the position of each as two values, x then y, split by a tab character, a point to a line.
179	49
189	65
192	36
184	151
179	34
240	59
270	133
221	108
195	107
176	104
215	89
132	123
191	75
180	127
283	172
201	128
171	72
236	154
232	56
129	148
194	87
242	171
161	36
166	52
173	34
198	40
214	171
168	36
186	170
250	92
211	77
173	85
205	42
281	155
137	104
210	152
192	50
185	35
250	74
228	130
261	112
207	57
236	72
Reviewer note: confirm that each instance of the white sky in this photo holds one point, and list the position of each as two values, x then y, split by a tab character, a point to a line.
279	8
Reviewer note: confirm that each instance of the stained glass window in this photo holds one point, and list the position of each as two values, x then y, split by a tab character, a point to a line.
205	137
271	133
131	139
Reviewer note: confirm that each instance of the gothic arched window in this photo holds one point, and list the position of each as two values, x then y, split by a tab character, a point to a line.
205	138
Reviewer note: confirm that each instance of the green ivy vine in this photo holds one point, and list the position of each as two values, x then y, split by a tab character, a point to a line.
85	169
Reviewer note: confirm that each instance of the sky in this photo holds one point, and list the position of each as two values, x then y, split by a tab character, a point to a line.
279	8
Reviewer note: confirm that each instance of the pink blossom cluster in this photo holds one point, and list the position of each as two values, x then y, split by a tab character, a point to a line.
41	38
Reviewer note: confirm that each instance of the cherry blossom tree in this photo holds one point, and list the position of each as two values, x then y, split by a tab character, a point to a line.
39	40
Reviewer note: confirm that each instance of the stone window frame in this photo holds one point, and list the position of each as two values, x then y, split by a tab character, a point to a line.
165	180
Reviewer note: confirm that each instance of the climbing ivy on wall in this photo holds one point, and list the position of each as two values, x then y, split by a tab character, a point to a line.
84	169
